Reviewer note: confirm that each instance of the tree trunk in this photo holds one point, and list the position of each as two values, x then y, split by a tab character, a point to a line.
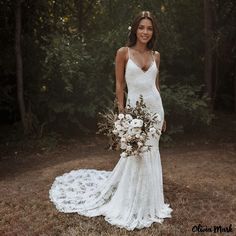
215	55
80	8
19	65
208	48
235	90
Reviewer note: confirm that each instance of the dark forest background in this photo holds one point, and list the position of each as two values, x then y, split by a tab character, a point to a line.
57	62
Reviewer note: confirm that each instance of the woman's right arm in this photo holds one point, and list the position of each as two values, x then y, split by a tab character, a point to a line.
120	77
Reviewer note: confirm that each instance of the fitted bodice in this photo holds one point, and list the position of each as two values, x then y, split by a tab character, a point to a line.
143	83
139	81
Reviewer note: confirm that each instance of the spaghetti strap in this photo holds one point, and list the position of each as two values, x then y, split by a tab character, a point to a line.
128	53
153	52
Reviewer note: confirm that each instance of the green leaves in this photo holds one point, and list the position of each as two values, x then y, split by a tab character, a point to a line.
185	105
69	53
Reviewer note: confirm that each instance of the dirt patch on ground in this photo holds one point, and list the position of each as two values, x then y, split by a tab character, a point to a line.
199	183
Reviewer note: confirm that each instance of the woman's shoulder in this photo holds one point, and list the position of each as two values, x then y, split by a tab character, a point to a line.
157	57
122	50
156	54
122	54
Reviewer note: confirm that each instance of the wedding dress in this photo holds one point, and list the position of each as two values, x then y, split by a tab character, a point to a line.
131	196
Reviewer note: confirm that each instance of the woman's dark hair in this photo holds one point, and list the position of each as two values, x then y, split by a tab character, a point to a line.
132	39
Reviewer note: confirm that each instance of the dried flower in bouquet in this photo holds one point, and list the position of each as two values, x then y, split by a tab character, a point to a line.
130	130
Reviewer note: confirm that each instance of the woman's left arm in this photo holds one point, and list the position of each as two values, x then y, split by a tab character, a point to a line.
158	59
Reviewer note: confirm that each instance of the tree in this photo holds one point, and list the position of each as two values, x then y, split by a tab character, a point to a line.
208	47
19	64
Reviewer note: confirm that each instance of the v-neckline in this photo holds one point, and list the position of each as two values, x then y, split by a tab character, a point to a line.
144	71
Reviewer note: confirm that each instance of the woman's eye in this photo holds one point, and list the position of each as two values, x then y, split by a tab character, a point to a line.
142	28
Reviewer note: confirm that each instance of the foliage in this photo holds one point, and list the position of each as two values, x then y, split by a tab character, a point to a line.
72	81
185	106
69	49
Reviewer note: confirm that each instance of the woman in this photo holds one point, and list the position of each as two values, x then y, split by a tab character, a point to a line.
130	196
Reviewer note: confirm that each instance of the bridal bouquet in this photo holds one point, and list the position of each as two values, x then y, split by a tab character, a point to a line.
130	130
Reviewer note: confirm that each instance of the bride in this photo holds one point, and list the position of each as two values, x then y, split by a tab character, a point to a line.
131	196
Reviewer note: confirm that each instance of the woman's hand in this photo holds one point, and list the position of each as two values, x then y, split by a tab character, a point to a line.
121	110
164	126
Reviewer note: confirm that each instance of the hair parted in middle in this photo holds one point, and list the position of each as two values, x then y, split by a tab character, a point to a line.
132	38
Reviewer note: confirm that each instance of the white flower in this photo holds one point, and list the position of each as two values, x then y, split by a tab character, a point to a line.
136	123
129	131
141	137
128	117
117	123
129	28
115	132
136	130
133	131
121	116
123	145
152	130
120	133
119	127
123	140
129	148
144	148
135	152
140	144
126	125
123	154
128	137
137	135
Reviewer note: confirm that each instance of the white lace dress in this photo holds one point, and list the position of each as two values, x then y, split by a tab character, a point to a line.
130	196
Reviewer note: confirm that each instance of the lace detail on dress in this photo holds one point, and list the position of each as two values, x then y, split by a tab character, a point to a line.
74	189
131	196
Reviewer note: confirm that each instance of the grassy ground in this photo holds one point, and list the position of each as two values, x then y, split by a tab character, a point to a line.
199	183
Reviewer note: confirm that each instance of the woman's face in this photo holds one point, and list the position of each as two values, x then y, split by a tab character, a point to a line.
145	31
